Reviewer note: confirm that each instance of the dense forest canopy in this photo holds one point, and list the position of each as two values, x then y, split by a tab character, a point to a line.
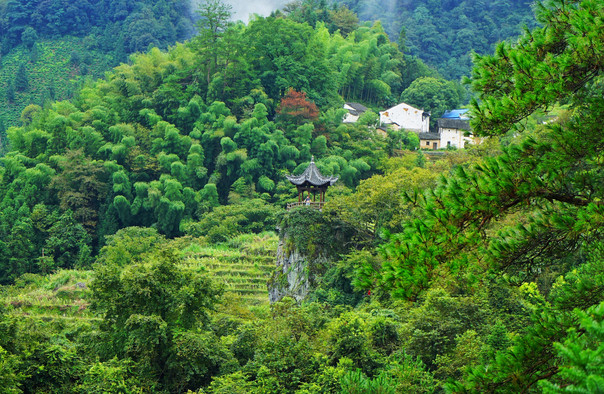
47	49
46	53
160	142
118	25
444	33
137	219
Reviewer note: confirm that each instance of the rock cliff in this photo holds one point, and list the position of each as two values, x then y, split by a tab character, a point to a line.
309	243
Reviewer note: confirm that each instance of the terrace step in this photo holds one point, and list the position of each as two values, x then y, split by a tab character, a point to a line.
243	271
244	281
214	266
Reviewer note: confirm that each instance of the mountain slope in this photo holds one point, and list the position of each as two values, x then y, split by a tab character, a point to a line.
443	33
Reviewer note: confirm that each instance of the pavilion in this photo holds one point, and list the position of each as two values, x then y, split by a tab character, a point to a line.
312	182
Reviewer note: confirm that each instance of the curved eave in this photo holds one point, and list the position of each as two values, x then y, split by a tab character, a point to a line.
304	182
312	176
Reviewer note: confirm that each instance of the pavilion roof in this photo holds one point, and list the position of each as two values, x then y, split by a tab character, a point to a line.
313	176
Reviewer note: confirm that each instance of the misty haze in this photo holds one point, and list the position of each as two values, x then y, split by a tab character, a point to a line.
242	10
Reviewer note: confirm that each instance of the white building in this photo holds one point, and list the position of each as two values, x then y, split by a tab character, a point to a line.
454	129
404	116
355	110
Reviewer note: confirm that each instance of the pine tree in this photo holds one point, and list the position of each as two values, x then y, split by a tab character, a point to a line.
537	206
539	174
10	92
21	79
213	22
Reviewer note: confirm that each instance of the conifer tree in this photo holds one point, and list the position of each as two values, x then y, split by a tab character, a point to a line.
213	22
10	92
537	206
21	79
540	174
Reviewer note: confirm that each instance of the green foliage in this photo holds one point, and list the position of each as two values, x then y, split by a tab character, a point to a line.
581	353
445	34
313	233
369	118
21	79
378	203
349	337
490	275
130	245
409	375
146	306
8	372
226	222
212	24
234	383
463	207
140	149
178	297
110	376
433	328
357	383
29	37
434	95
64	44
50	366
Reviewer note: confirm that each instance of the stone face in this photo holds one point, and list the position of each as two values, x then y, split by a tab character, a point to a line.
292	278
309	243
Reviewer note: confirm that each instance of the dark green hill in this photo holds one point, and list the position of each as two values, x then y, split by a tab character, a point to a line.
443	33
54	70
48	49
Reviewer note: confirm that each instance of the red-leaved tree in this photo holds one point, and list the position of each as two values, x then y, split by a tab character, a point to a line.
296	108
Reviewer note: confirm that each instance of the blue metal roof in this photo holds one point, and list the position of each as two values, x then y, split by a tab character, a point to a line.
455	114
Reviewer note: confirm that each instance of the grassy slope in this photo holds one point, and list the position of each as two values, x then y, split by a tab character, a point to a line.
59	296
243	265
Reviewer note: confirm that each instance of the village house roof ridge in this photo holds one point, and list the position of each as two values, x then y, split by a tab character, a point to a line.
429	136
454	123
406	104
357	107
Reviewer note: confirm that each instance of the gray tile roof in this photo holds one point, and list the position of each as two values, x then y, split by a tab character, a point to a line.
313	176
460	124
429	136
357	109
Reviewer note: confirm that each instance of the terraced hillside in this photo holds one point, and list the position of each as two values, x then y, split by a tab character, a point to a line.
60	297
243	265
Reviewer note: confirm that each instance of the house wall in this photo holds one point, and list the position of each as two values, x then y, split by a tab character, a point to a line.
350	118
429	144
454	137
407	117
